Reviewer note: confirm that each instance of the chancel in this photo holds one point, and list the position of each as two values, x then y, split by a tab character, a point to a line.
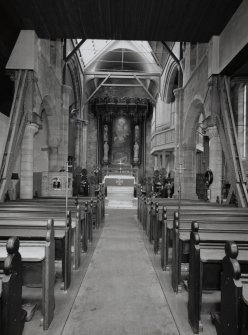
123	167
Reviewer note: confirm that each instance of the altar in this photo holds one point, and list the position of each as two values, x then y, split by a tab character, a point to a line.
120	190
119	180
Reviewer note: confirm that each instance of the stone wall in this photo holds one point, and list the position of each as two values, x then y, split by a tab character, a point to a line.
149	158
91	142
49	82
189	110
4	122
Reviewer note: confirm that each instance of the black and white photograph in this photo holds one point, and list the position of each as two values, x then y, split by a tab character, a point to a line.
123	167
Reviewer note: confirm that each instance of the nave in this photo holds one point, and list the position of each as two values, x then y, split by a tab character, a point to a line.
142	102
119	288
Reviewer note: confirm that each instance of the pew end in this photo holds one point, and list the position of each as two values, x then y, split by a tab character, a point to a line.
11	313
233	316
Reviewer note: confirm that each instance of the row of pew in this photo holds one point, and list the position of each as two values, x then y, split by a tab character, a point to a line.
50	231
191	239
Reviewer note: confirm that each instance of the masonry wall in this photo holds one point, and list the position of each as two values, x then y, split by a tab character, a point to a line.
4	121
149	158
91	143
196	87
49	85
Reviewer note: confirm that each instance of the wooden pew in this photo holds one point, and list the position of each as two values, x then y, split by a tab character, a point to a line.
172	205
35	223
206	254
181	236
85	228
57	202
12	315
169	203
164	240
81	219
154	228
92	217
233	318
38	258
190	210
95	211
188	213
145	203
155	231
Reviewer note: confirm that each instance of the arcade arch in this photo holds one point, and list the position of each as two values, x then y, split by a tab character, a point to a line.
190	129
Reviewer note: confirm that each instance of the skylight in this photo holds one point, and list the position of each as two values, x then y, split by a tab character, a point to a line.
91	48
147	49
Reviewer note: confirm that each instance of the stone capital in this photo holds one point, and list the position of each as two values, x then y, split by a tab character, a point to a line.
31	128
212	132
178	92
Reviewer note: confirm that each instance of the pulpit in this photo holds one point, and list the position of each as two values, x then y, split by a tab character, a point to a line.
56	184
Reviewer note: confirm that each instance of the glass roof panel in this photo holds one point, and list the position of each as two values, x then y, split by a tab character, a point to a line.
91	48
120	53
147	49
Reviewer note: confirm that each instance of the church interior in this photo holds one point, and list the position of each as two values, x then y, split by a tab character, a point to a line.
123	167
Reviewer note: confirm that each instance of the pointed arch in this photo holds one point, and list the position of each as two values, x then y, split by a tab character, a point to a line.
191	122
171	83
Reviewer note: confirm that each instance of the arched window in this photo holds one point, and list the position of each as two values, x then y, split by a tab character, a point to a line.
173	84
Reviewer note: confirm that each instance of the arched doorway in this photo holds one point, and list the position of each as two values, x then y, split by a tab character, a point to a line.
194	152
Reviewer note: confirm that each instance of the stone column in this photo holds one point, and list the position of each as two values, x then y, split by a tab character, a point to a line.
170	166
83	156
215	162
188	173
155	162
27	155
241	130
164	160
53	157
178	136
61	152
78	142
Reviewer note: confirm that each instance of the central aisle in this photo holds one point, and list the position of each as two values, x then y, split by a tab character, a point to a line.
120	293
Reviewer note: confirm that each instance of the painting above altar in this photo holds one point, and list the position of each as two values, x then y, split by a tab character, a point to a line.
121	141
